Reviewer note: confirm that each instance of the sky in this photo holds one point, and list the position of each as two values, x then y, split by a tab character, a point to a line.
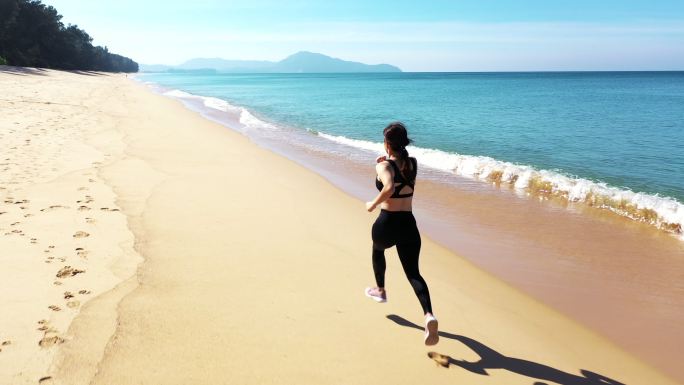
428	35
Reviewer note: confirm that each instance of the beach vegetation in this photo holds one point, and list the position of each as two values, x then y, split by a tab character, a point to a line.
3	62
32	35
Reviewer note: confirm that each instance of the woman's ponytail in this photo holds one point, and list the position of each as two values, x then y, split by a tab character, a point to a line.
397	139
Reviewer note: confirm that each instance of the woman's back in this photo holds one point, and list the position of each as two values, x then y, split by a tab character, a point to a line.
402	198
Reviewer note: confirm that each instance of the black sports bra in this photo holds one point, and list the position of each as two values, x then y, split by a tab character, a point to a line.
398	178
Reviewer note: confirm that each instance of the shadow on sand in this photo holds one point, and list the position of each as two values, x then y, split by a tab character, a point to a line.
23	71
491	359
86	73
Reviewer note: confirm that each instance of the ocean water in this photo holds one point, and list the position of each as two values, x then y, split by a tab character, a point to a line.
614	140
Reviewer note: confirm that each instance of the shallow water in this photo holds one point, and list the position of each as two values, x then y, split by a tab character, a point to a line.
597	137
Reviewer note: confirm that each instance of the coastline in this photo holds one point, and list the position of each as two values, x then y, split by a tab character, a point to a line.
591	264
239	287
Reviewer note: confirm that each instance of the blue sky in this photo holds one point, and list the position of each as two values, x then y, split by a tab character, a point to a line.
456	35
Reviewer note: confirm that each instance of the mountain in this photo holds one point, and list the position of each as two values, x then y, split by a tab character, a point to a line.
224	65
301	62
316	62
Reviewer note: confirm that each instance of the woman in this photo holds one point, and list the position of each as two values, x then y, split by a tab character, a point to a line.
396	225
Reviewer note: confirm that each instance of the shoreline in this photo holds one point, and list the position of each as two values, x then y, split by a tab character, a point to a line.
658	208
219	297
595	277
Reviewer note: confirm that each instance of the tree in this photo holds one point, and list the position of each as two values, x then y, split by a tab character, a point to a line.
33	35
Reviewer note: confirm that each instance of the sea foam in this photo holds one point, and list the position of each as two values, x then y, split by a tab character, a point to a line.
245	117
663	212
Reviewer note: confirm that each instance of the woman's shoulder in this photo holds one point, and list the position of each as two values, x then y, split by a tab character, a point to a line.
383	164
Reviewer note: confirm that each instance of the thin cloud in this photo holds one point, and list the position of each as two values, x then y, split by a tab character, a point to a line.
456	32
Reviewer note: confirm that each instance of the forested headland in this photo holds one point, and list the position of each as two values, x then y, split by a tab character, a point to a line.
32	35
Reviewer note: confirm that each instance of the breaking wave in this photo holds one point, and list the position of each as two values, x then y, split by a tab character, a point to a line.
663	212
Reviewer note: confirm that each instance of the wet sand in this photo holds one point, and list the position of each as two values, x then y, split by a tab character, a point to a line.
621	278
253	269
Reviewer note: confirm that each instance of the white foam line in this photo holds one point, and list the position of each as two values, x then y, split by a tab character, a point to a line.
669	210
246	117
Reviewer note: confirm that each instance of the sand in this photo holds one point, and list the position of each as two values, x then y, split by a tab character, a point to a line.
208	260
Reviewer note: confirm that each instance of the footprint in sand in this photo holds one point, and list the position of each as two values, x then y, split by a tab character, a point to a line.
68	271
73	304
90	220
49	341
54	308
81	234
440	359
83	208
28	215
45	380
81	252
82	189
53	207
68	295
84	291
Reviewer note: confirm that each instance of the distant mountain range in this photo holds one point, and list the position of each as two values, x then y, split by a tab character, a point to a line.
301	62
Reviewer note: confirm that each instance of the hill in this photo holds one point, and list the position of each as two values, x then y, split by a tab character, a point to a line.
300	62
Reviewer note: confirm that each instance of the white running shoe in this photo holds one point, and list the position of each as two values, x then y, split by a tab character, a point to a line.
431	331
376	294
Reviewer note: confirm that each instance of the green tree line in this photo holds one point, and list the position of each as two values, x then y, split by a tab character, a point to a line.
32	35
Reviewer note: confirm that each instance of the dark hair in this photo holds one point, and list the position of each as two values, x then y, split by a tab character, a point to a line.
397	139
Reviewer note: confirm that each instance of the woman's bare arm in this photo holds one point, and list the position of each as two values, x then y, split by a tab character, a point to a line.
384	173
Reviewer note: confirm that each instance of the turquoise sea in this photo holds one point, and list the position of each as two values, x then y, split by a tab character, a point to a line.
612	139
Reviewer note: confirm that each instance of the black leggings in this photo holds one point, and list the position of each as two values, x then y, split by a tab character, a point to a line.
399	228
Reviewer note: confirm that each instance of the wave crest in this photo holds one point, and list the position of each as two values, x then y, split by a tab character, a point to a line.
245	117
663	212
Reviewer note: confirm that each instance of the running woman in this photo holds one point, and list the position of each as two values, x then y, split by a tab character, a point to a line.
396	225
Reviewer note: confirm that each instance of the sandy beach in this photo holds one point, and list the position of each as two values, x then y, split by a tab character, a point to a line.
143	244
